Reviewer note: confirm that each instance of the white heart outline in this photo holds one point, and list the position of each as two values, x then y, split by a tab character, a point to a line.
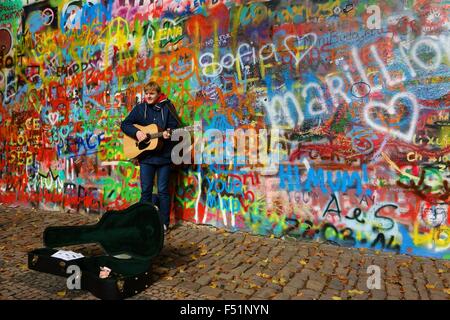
390	108
298	40
53	117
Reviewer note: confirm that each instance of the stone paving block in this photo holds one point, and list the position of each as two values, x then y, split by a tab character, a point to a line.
315	285
225	276
208	291
274	286
308	294
281	296
289	290
285	274
265	293
336	284
232	296
411	296
189	285
378	294
204	280
244	291
298	281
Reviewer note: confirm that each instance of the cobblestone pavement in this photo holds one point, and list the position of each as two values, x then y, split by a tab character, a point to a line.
203	262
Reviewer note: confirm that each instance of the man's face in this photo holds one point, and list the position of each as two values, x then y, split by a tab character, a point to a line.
151	96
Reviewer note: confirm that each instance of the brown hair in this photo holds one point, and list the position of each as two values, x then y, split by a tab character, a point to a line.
152	85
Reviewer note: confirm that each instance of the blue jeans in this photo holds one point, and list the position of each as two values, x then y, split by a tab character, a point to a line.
147	177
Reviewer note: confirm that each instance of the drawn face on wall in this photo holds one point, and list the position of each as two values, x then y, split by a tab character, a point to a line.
434	215
182	64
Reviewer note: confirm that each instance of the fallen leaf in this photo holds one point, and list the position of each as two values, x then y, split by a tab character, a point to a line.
263	275
202	265
2	247
61	293
302	262
439	270
23	267
447	291
168	278
272	236
193	257
254	286
204	252
213	285
355	292
283	281
430	286
336	298
405	264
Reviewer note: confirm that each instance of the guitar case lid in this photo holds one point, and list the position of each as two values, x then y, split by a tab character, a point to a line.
136	231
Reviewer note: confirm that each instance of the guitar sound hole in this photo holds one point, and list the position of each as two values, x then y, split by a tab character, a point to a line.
143	144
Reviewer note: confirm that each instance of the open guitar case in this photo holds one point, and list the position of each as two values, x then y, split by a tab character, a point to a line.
131	239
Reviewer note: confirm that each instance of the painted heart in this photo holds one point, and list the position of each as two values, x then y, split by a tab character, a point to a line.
391	110
53	117
291	51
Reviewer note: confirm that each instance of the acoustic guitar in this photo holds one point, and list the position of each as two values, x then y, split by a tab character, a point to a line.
132	148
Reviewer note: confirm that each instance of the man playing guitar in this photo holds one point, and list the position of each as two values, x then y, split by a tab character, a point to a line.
156	109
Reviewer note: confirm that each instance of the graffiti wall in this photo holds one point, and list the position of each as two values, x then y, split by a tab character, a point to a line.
357	93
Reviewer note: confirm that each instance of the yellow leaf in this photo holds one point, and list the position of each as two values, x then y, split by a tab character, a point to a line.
202	265
283	281
439	270
430	286
204	252
263	275
272	236
266	260
168	278
23	267
355	292
193	257
447	291
61	293
252	286
336	298
213	285
275	281
302	262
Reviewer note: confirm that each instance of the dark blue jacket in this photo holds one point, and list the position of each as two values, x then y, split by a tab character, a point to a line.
144	114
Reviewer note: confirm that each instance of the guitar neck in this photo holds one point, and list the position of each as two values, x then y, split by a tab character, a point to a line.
160	134
155	135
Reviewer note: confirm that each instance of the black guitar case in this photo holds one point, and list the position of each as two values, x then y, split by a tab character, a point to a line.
131	238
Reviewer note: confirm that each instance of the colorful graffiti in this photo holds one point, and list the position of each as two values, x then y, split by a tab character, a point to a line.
358	90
